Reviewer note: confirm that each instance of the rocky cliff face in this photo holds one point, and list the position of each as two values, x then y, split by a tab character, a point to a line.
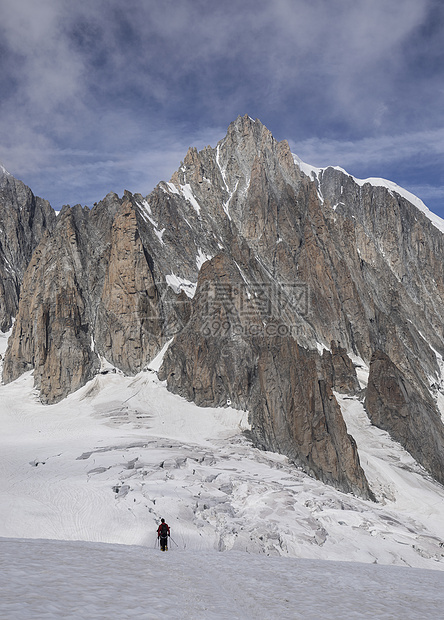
52	333
268	276
396	406
89	292
24	219
237	357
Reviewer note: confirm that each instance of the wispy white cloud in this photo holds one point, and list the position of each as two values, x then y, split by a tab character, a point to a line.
372	150
116	92
45	74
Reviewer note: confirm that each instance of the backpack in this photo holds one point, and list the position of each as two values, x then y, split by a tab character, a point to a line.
163	530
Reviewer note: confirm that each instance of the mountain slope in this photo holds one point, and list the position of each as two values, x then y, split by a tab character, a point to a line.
271	283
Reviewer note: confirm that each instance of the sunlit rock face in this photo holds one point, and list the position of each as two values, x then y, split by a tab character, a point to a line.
267	278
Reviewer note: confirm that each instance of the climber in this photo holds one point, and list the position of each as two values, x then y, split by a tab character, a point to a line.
163	531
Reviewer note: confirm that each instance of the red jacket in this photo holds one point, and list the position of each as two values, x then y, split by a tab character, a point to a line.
163	530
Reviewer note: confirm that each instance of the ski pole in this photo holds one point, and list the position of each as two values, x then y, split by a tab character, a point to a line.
174	541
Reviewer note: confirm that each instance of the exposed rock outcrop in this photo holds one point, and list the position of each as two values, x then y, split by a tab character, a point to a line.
90	291
126	304
52	333
226	354
394	405
24	220
340	370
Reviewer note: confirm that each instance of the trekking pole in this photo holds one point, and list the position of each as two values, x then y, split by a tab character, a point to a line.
174	541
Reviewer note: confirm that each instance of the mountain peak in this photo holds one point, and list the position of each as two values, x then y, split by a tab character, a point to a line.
267	278
244	126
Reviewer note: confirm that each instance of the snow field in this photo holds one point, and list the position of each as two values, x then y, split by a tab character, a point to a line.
55	579
105	464
108	462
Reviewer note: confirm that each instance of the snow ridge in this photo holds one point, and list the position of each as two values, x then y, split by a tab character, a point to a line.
315	173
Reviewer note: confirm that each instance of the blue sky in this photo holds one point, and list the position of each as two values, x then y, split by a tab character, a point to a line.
103	96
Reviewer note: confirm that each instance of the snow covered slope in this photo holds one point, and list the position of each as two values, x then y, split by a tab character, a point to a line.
52	579
106	463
